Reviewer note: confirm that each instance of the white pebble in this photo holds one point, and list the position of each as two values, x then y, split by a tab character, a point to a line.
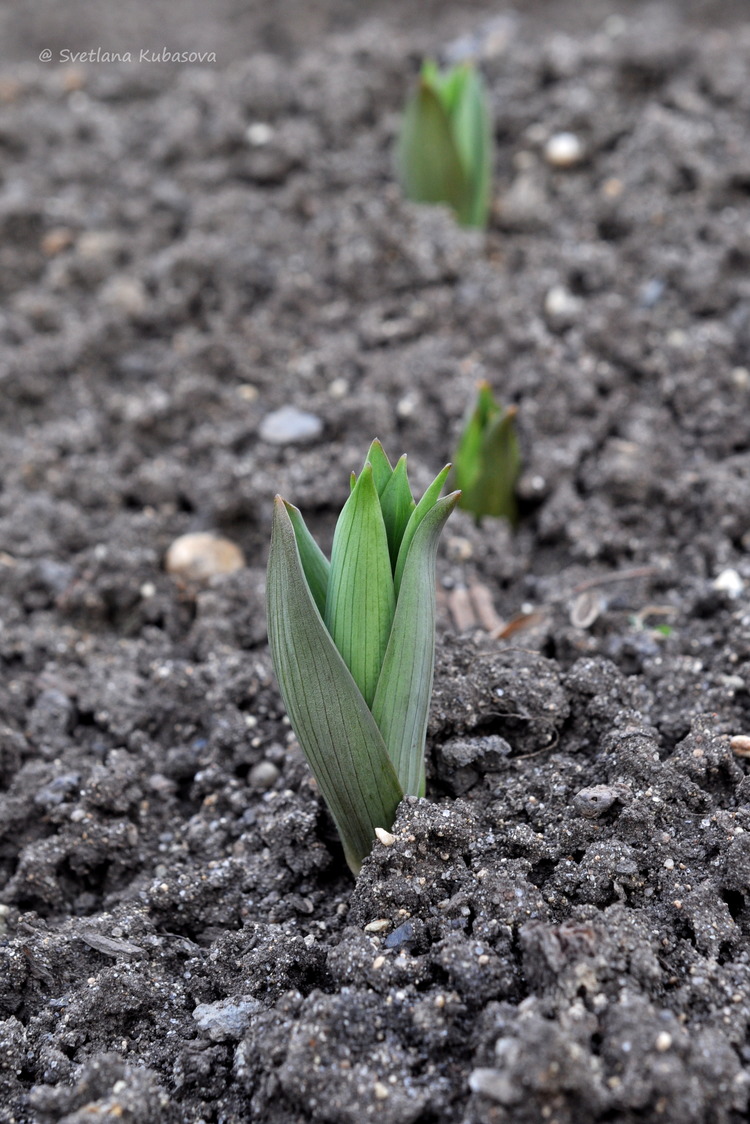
563	150
258	134
561	305
290	425
729	582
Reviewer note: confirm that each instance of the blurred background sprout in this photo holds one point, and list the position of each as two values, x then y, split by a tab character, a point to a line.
444	149
488	459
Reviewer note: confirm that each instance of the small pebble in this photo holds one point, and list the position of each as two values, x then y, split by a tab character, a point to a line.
380	1091
495	1085
258	134
663	1042
740	745
201	555
377	926
228	1019
385	837
561	306
263	775
595	801
563	150
586	608
729	582
399	936
339	388
407	405
290	425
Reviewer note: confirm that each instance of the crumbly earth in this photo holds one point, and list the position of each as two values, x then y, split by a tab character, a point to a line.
559	933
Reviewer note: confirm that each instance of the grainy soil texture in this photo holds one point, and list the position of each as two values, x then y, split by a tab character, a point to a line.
213	291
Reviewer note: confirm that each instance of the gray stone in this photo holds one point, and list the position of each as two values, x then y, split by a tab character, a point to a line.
289	425
227	1019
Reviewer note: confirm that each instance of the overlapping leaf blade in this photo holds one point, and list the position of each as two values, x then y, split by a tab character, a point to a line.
501	462
428	163
472	131
402	699
361	599
426	503
314	562
397	504
335	728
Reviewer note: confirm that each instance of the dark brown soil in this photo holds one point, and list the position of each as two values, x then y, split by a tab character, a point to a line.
561	929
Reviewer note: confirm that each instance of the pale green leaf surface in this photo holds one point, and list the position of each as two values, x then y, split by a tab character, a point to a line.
466	461
427	502
470	452
397	504
360	602
428	164
472	133
335	728
402	699
500	466
314	562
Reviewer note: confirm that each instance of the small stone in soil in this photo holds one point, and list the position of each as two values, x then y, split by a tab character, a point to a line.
228	1019
729	582
377	926
740	745
263	775
561	307
202	555
399	936
563	150
289	425
595	801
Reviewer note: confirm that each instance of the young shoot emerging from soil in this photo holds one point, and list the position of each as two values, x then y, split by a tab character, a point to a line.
353	643
488	459
444	149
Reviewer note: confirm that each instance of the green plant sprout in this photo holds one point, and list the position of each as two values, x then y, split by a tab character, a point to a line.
444	148
353	643
488	459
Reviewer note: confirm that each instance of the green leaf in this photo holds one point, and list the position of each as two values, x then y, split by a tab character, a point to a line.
488	459
381	466
335	728
427	161
360	602
500	465
314	562
427	502
402	700
472	133
397	504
